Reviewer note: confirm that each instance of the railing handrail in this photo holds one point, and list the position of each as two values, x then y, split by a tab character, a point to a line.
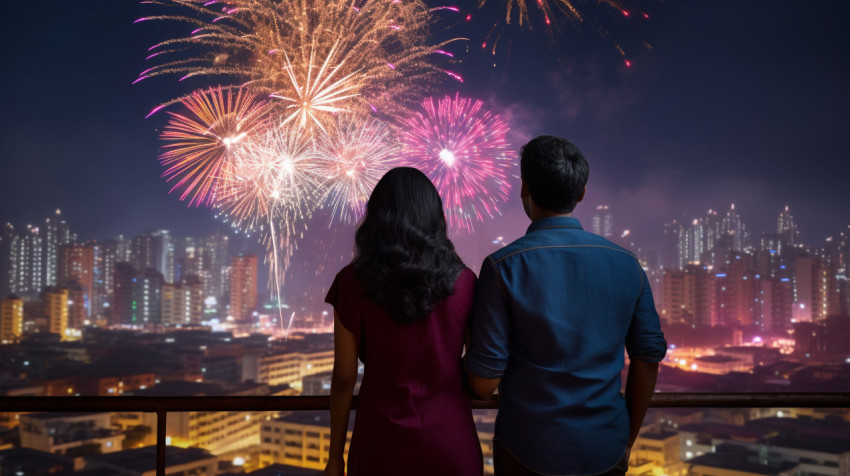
303	402
161	405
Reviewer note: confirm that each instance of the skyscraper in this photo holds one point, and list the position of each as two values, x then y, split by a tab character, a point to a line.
154	249
603	221
216	258
55	233
76	265
243	286
26	263
183	302
11	319
787	228
55	302
734	227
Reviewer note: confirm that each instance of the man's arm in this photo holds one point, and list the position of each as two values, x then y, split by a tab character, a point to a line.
640	384
487	355
481	387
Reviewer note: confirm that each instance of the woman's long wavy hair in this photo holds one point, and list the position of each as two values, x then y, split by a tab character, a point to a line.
402	250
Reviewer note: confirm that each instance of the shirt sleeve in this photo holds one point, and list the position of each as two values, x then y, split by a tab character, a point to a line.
644	340
342	296
489	325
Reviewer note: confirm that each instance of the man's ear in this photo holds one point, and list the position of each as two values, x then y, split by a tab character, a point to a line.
582	194
523	189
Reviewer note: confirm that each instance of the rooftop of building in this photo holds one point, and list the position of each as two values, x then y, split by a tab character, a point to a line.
142	460
60	415
716	359
737	458
283	470
30	461
659	435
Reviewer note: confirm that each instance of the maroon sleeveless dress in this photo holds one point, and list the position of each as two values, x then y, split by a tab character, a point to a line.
413	415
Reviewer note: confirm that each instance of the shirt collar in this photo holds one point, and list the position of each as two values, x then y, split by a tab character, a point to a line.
554	222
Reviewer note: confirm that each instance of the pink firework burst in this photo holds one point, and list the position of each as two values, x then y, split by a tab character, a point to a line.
200	142
463	148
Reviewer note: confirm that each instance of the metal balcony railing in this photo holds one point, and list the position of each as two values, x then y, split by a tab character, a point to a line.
163	405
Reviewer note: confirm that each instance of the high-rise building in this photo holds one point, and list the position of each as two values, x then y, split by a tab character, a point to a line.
76	265
670	251
183	302
55	302
56	233
7	234
688	296
737	290
216	258
775	300
26	263
154	249
733	226
11	319
786	228
243	286
603	221
137	296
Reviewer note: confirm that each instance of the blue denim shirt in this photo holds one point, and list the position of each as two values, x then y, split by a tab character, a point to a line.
552	313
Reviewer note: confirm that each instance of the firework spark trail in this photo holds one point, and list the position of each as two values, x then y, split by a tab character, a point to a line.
354	156
200	142
268	45
464	150
270	190
573	11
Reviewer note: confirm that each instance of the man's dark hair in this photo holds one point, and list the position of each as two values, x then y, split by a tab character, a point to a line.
555	172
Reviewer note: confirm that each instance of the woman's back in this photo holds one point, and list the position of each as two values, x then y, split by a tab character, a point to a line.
413	415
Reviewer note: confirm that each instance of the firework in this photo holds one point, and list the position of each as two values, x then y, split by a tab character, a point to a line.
200	142
354	157
357	57
552	11
464	150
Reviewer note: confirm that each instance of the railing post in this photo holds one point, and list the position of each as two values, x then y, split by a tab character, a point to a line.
160	441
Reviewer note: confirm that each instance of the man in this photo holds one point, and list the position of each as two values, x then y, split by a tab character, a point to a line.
552	313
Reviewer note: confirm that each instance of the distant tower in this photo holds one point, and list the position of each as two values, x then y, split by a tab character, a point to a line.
55	304
243	286
76	265
7	234
26	263
216	258
786	228
183	302
603	221
11	319
56	233
734	227
154	249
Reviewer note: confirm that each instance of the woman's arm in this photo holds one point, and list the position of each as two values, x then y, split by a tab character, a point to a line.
342	386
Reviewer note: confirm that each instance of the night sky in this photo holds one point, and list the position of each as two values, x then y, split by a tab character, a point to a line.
743	102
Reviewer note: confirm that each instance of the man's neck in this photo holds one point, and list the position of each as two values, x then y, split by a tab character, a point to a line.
539	213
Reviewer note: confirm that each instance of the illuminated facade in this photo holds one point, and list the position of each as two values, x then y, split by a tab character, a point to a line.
26	263
154	249
56	233
298	439
285	367
11	319
243	286
603	221
60	433
55	304
77	265
183	302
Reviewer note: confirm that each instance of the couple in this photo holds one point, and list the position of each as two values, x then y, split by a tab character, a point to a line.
547	322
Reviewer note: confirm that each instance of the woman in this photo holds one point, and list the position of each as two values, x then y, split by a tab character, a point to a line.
402	307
